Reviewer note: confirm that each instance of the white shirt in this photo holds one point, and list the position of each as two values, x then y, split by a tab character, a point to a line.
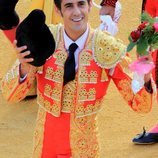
80	42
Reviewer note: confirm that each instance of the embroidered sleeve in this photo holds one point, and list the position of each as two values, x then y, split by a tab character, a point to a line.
140	102
12	89
108	2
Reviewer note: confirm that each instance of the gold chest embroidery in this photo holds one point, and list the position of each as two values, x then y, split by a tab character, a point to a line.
54	75
60	57
85	58
57	98
85	77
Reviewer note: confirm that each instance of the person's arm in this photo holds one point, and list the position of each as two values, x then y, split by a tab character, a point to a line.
108	7
12	88
114	60
140	102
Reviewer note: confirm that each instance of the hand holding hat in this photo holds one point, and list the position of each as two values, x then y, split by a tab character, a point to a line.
35	34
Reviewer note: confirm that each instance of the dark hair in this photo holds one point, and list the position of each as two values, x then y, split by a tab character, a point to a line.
58	3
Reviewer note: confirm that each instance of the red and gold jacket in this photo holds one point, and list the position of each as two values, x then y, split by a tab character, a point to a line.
102	60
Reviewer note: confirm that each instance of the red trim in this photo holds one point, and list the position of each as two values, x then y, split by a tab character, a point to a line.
108	2
56	141
10	34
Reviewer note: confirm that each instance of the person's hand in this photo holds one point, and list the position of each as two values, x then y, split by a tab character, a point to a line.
107	10
25	67
149	59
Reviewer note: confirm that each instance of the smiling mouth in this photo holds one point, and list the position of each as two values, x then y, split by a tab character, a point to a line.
77	19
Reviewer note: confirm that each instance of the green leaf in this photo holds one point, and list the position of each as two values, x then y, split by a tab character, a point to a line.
142	47
130	39
131	46
146	17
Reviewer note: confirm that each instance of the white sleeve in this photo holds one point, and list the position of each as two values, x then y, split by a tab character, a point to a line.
117	13
108	24
22	78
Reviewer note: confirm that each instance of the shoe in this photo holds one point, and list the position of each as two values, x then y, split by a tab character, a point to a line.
146	138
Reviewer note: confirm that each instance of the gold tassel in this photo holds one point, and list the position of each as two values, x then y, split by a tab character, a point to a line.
104	76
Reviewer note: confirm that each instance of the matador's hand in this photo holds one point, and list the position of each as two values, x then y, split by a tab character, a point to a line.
25	66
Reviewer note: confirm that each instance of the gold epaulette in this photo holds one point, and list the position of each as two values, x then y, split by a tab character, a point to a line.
107	50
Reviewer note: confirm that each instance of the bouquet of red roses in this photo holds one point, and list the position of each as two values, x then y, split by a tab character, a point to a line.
145	37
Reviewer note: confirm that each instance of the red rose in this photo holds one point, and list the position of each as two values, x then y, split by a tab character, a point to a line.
135	35
142	25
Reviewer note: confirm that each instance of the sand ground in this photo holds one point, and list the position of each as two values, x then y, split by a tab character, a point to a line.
118	124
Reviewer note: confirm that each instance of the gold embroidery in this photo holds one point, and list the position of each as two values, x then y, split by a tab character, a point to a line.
47	90
85	58
97	105
56	75
49	73
93	77
56	94
107	50
53	108
91	94
56	109
82	111
53	93
60	58
87	95
69	93
14	91
67	106
83	136
47	105
84	77
142	102
82	95
125	89
89	109
70	96
39	133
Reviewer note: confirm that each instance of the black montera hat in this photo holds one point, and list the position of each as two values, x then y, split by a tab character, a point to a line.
8	16
35	34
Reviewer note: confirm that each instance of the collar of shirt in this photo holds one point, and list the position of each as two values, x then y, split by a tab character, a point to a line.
80	41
